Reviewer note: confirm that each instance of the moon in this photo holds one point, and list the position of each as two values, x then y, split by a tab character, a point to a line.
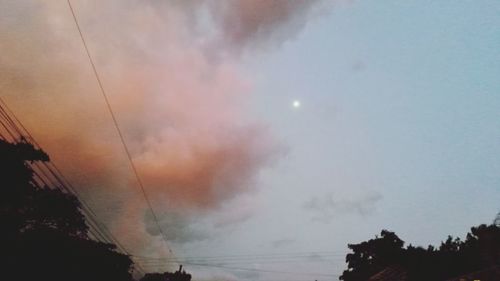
296	103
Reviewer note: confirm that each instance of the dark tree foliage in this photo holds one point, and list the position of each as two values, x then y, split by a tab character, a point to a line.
480	250
44	234
372	256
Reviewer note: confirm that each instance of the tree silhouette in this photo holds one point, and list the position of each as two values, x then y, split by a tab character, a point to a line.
372	256
44	234
454	257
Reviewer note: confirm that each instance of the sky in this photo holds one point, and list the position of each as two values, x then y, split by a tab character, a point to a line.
398	124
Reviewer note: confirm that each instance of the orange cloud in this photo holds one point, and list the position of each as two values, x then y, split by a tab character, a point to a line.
182	113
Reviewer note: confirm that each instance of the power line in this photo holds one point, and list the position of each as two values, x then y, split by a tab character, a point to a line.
50	176
252	256
56	179
45	178
321	260
282	260
263	270
206	261
260	262
115	122
228	261
264	255
308	257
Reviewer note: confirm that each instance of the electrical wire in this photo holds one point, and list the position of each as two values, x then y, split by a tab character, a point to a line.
263	270
51	177
115	122
254	256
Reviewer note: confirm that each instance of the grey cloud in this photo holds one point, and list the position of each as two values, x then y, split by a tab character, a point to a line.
234	26
282	242
177	228
327	207
196	159
229	220
247	22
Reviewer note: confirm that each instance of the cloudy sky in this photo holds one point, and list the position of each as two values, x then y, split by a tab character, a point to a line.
398	125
